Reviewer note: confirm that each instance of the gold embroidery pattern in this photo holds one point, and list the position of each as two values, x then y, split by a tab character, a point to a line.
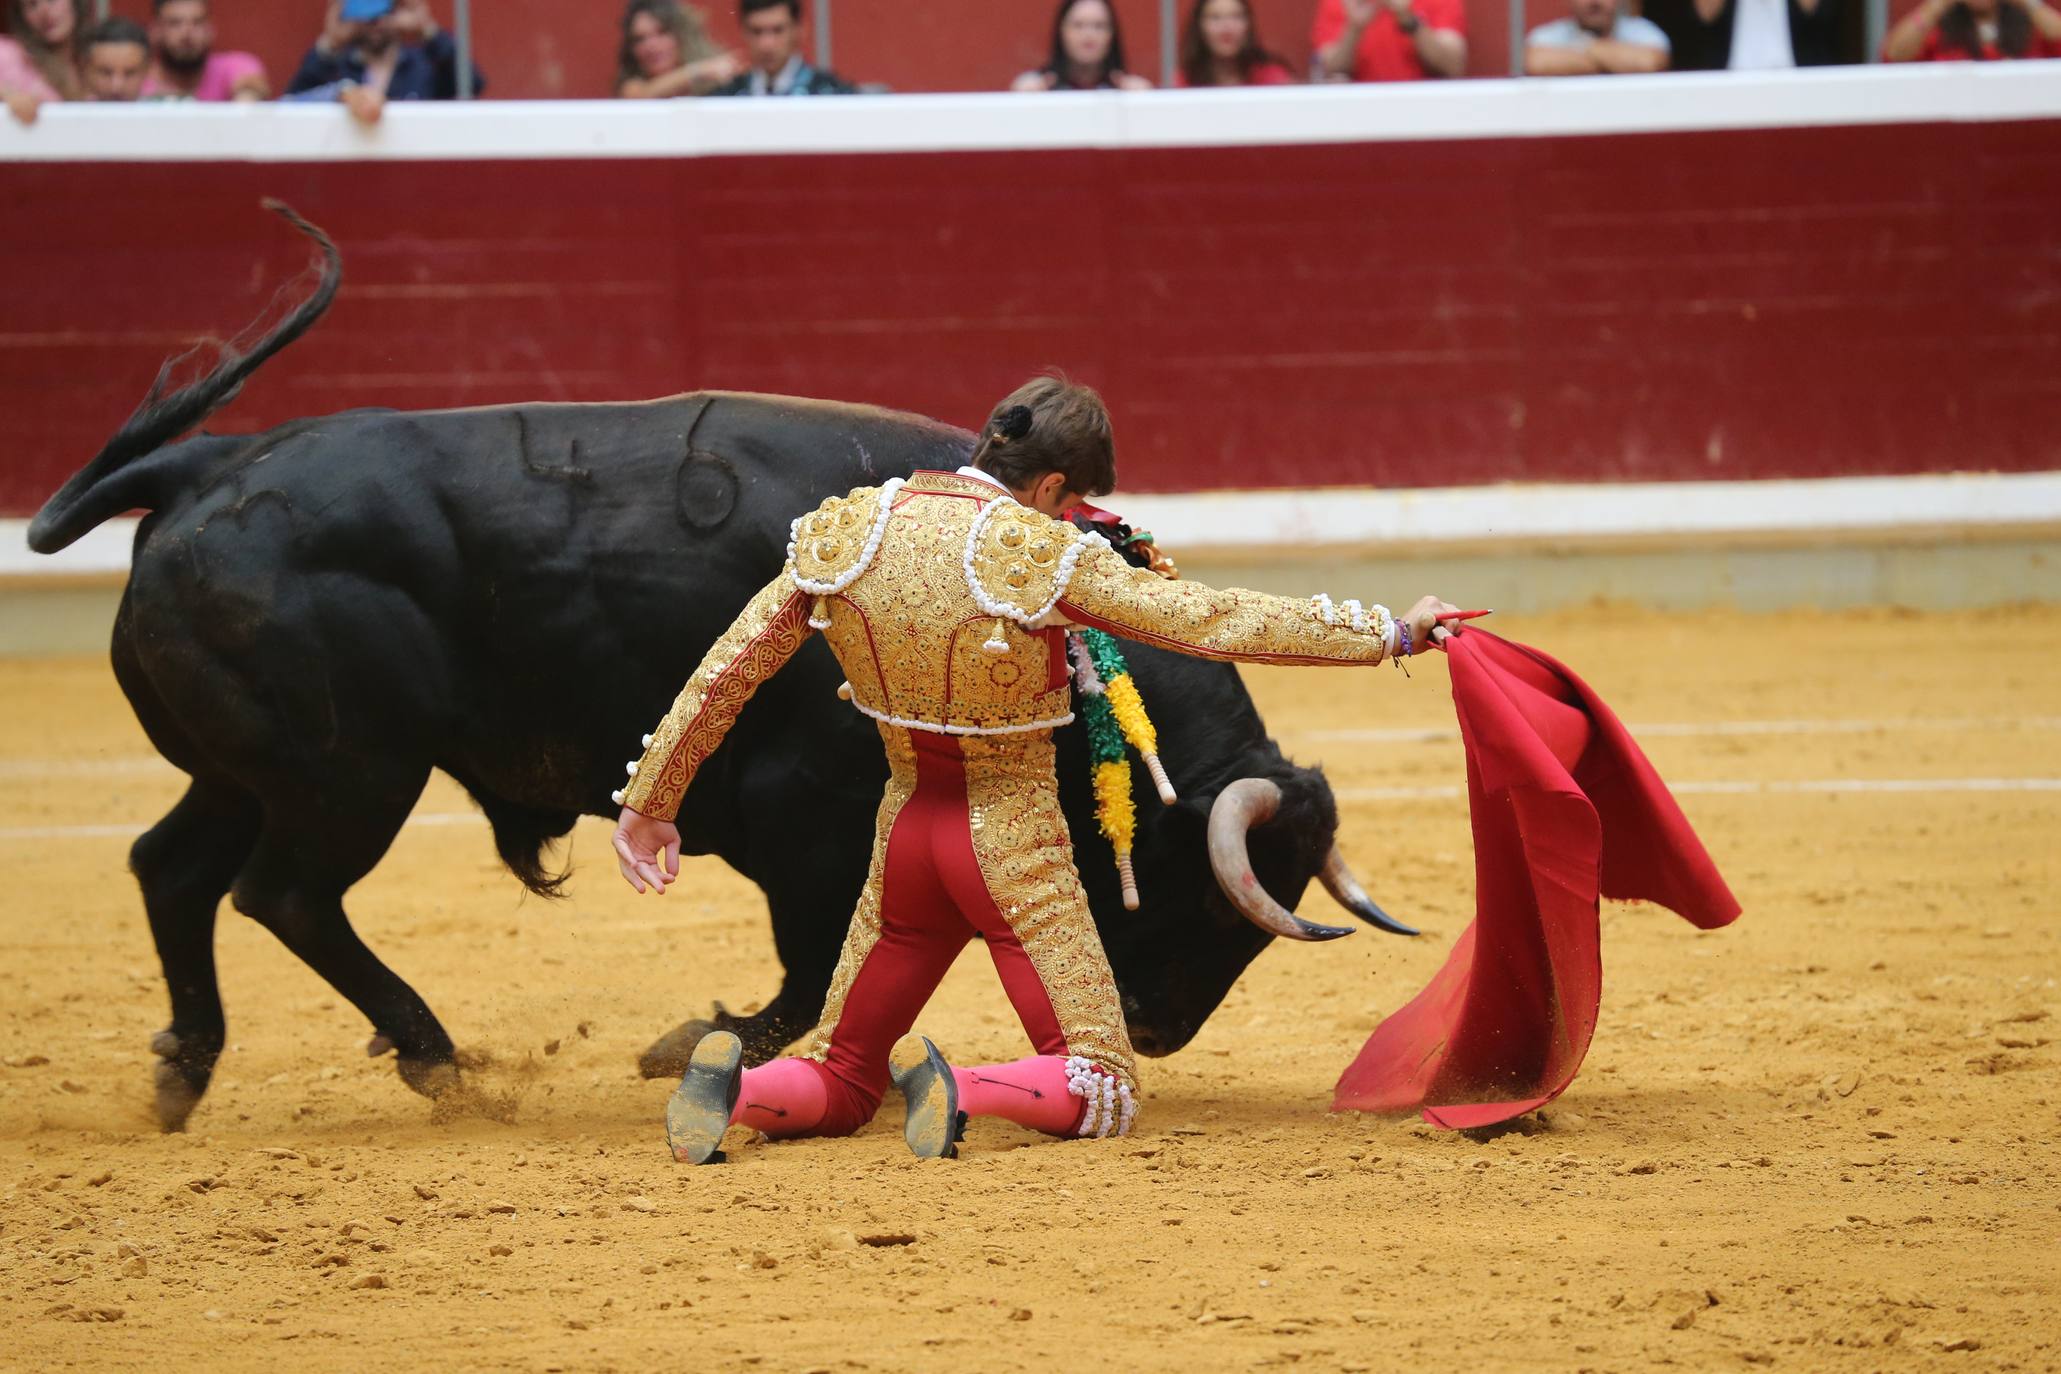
864	931
1026	854
1231	624
1018	561
912	614
832	540
761	640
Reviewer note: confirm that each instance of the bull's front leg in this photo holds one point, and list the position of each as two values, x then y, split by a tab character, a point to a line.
811	876
790	1015
807	941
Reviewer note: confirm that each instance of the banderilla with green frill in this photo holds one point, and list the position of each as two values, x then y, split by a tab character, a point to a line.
1114	713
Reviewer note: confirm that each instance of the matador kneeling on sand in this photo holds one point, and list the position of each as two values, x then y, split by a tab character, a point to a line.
946	599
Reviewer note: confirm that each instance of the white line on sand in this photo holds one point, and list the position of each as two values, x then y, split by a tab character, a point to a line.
151	763
1753	787
1747	787
1684	729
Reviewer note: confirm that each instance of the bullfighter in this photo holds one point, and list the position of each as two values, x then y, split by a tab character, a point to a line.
946	599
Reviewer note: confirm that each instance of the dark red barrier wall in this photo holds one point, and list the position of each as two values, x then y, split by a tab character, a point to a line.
1667	306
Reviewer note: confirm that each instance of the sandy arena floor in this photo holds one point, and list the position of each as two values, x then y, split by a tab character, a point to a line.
1822	1139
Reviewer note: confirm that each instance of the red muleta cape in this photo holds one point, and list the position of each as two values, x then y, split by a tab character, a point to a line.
1566	810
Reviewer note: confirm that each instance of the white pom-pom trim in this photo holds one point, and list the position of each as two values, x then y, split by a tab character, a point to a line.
647	741
616	796
631	766
1029	620
1107	1107
936	729
1376	620
851	574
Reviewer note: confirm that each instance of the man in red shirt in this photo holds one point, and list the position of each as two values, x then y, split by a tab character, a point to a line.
1975	30
1389	40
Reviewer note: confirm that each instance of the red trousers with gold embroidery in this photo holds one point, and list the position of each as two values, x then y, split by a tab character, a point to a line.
972	842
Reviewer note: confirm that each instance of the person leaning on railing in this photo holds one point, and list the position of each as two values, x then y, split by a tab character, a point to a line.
41	63
188	66
1389	40
1220	46
666	51
1087	53
773	40
117	60
374	51
1595	40
1975	30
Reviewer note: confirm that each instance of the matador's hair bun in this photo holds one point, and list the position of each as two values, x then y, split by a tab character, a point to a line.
1012	423
1049	425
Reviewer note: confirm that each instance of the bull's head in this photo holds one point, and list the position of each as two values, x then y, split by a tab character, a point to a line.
1221	871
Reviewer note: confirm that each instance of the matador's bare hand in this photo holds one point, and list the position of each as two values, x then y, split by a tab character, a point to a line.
1423	619
640	844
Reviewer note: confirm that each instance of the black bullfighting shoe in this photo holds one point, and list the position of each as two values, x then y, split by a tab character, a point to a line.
699	1110
934	1122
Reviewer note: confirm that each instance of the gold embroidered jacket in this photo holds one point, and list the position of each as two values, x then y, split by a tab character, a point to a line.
946	603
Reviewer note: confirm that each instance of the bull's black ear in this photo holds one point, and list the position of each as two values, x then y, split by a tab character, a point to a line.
1013	423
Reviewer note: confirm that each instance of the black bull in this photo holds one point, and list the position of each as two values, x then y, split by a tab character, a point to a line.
319	615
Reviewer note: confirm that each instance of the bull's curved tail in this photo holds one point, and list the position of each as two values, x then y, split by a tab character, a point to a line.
96	491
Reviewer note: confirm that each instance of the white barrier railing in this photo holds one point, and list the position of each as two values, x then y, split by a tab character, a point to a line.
1577	106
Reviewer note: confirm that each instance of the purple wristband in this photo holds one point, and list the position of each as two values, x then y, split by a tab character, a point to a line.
1403	629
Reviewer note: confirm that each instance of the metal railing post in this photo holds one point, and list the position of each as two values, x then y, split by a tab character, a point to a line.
1876	27
1169	41
1517	37
464	40
823	35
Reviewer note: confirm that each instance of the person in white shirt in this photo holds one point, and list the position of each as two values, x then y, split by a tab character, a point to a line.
1753	35
1594	40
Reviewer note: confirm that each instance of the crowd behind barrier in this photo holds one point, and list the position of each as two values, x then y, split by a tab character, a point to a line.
361	54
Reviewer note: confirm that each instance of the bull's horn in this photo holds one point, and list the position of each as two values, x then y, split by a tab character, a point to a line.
1339	881
1238	808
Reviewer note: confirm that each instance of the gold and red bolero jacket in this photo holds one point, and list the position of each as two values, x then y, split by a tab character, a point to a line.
947	604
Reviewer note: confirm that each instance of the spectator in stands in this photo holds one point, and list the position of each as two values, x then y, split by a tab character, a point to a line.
773	36
666	51
1221	47
41	62
1975	31
1595	39
1748	35
117	60
1389	40
374	51
182	34
1087	53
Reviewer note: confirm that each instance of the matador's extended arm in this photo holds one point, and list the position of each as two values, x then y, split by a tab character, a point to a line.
757	645
1230	624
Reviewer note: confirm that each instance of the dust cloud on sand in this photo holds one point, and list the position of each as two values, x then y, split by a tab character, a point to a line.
1821	1139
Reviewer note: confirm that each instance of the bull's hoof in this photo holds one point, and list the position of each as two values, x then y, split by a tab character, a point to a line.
669	1055
177	1096
430	1077
181	1079
763	1036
